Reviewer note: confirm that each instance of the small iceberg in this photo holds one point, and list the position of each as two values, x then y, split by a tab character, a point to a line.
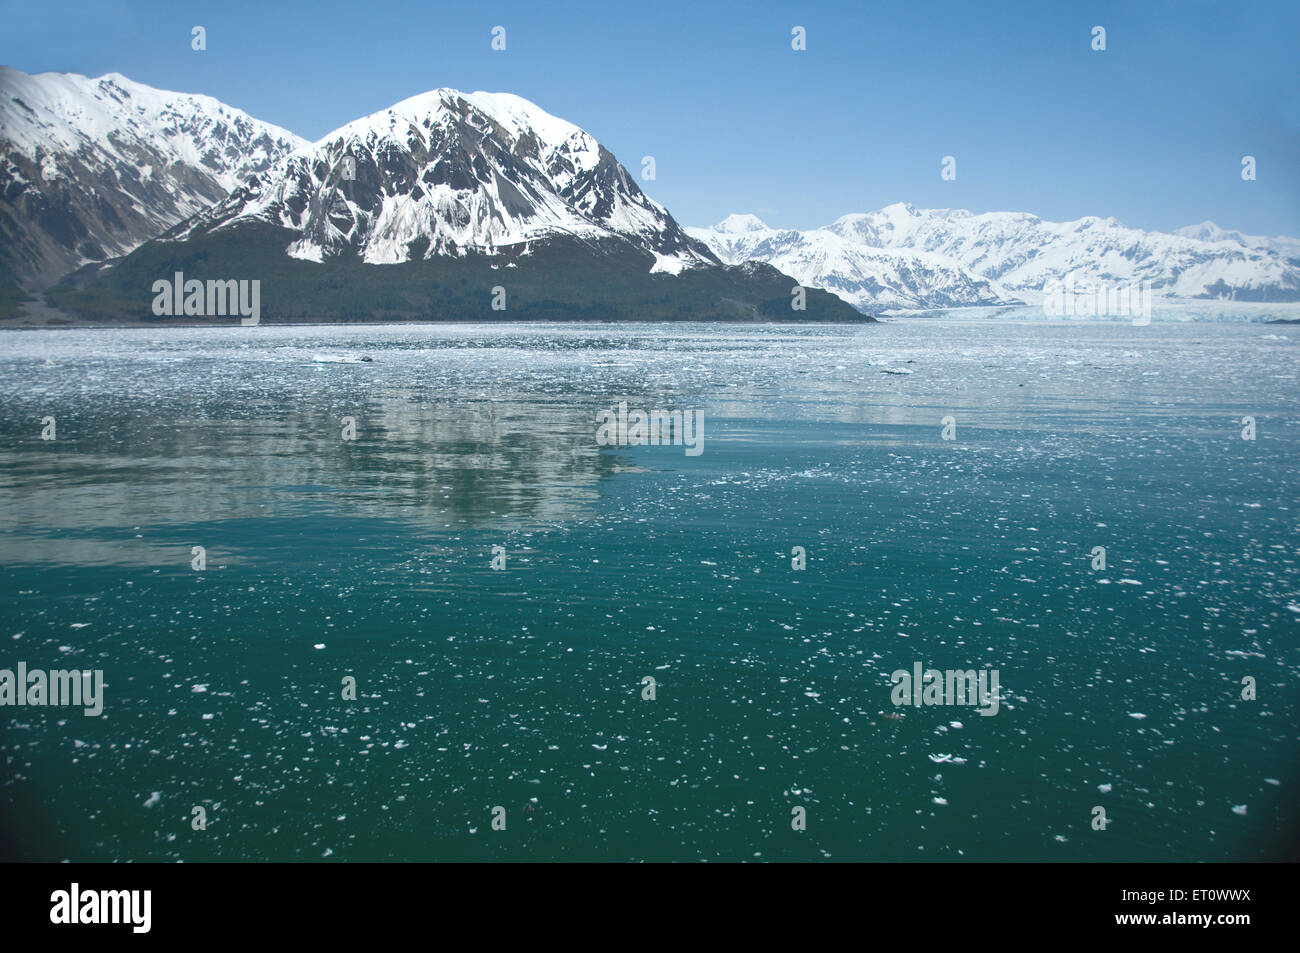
946	759
340	359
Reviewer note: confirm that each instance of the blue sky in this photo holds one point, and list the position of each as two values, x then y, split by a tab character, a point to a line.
1151	131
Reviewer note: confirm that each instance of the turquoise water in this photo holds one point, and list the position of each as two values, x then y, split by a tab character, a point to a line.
522	688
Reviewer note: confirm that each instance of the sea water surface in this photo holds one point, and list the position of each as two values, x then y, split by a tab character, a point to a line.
523	688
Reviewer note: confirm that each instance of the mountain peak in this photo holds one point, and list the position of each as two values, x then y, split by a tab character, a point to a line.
899	210
447	172
739	224
508	110
1206	231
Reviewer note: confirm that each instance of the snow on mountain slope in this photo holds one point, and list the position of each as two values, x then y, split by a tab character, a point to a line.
866	277
960	257
1024	253
1288	248
90	168
446	173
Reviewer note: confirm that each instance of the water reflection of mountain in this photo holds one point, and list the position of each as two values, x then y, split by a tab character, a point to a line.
445	465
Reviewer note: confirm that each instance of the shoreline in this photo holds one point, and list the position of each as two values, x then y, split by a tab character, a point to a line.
36	315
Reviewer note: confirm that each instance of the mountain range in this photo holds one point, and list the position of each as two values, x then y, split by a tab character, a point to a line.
467	206
908	258
445	206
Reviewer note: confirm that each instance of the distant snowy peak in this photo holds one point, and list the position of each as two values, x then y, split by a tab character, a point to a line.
1209	232
1024	253
902	256
90	168
740	225
446	173
844	260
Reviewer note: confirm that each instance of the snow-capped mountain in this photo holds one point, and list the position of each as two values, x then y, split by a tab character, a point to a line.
1016	254
90	168
449	173
448	206
866	276
1288	248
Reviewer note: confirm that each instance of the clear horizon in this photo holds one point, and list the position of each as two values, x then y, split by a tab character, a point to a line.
1150	131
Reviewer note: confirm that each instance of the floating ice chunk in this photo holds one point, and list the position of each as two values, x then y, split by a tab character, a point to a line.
1239	809
153	799
1136	714
1104	788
